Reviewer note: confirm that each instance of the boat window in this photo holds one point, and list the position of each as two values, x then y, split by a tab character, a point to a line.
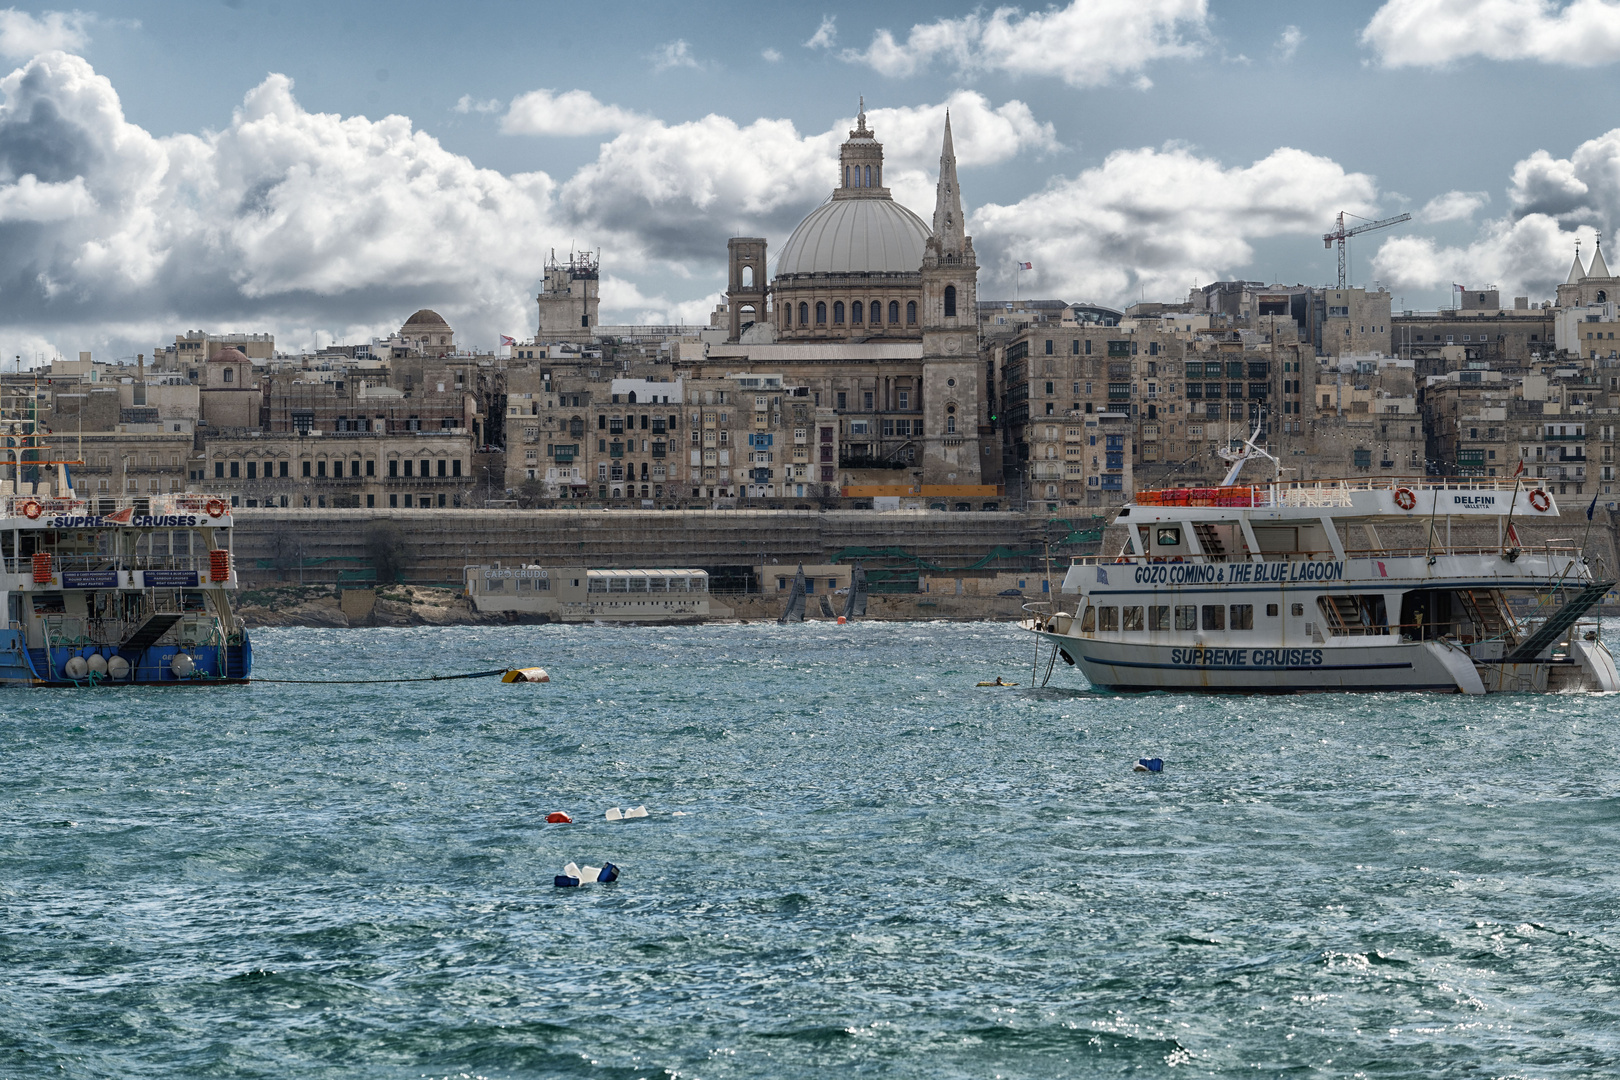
1159	617
1296	610
1242	617
1271	611
1354	615
1169	538
1108	618
1088	621
1214	617
1186	617
1133	618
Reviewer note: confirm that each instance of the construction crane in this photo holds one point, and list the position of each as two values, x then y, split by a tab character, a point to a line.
1341	234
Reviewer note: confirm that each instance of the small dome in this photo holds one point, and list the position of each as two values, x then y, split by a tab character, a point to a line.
229	356
856	236
426	317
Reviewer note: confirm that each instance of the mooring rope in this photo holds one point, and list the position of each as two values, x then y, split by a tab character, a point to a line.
422	678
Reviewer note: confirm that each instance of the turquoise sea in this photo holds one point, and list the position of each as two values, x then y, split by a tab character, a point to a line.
855	864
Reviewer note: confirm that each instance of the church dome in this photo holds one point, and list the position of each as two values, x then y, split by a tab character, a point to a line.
856	236
426	317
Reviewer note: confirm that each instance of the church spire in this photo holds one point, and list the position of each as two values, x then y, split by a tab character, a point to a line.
1577	271
948	225
1599	268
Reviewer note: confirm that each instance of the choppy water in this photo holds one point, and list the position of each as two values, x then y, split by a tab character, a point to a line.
879	870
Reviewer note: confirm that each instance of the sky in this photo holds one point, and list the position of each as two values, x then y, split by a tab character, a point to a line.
319	171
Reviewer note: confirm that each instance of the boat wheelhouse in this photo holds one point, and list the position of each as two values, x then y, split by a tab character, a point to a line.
1355	585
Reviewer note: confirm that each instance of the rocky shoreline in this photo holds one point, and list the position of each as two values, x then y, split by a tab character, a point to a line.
422	605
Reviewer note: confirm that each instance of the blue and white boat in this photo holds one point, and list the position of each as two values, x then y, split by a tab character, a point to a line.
1352	585
131	591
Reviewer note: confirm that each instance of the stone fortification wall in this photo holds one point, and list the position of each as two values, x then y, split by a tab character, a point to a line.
426	546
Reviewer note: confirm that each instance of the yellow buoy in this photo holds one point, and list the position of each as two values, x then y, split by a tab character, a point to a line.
526	674
998	682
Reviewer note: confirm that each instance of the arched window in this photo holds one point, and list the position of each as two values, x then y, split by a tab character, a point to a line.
846	176
950	301
821	313
857	313
748	277
869	176
632	397
1602	296
894	312
838	313
911	313
804	314
950	425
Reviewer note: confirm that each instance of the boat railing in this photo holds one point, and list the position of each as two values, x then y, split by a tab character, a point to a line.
1548	549
60	562
176	502
1316	493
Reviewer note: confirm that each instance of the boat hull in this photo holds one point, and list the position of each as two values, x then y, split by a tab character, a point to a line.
1134	667
46	667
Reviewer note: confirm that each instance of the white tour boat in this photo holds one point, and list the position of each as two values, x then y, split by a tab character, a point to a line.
1352	585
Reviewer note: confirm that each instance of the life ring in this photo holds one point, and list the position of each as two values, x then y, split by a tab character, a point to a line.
31	509
1405	499
1539	501
216	507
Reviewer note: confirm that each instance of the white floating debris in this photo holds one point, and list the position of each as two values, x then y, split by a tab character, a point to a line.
615	814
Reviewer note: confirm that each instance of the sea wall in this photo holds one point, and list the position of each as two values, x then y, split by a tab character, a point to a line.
433	546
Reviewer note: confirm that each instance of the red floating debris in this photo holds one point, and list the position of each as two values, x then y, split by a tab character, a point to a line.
559	818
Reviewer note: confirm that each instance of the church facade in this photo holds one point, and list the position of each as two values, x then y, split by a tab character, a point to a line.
871	313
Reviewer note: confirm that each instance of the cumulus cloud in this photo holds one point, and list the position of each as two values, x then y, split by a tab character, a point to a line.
1433	33
22	35
467	104
284	217
575	112
675	192
1087	43
675	54
1553	202
1453	206
772	56
1161	220
624	303
1288	42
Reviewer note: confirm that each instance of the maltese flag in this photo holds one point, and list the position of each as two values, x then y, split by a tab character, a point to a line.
508	341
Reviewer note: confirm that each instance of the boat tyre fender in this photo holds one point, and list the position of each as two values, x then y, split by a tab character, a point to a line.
1539	501
31	509
1405	498
215	507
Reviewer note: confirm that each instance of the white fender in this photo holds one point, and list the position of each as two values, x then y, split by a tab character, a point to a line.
1459	665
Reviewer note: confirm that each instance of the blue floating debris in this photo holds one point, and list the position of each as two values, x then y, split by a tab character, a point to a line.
1150	764
563	881
609	873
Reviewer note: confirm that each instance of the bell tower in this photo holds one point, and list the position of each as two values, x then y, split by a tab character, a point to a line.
952	399
745	288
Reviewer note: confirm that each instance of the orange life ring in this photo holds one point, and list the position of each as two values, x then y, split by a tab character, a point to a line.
1405	499
1539	500
216	507
31	509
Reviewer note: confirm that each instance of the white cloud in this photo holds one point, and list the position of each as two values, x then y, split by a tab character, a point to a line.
1453	206
623	303
772	56
675	54
1529	256
466	104
674	193
1087	43
826	35
1433	33
1288	42
1554	201
1161	220
22	35
284	219
574	112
